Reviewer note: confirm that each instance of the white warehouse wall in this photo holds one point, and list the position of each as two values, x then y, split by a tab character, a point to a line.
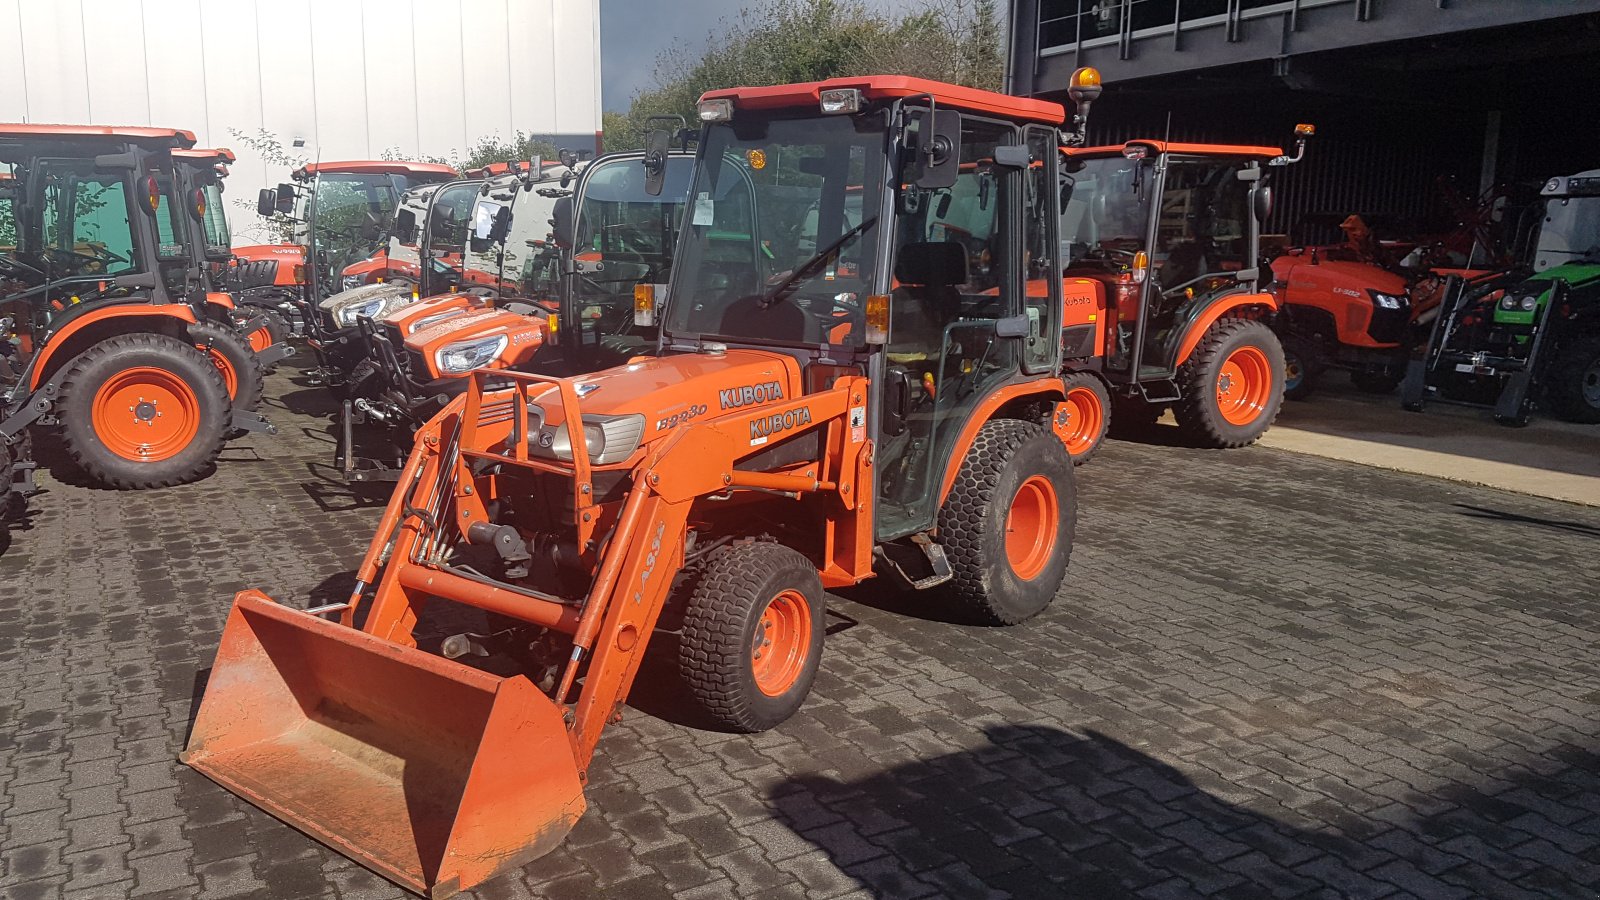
352	78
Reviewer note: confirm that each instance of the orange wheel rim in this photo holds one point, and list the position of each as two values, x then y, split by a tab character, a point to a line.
782	640
146	414
1244	386
1085	418
230	378
260	339
1031	527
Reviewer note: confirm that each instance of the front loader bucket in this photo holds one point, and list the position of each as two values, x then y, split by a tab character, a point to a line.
431	773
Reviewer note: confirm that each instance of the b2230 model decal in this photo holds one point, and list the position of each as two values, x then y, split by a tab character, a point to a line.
681	416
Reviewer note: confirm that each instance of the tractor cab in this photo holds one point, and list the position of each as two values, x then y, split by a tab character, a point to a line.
870	228
1160	231
104	340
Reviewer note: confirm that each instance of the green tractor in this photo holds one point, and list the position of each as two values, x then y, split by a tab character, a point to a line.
1529	339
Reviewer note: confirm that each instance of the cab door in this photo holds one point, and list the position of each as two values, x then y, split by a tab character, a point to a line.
956	273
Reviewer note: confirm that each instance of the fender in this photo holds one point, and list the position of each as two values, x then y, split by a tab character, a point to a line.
1048	389
1210	314
59	339
217	298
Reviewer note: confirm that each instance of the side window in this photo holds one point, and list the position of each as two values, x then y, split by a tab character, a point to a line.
170	222
1204	227
87	229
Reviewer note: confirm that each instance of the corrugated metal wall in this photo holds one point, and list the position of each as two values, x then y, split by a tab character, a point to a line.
1382	166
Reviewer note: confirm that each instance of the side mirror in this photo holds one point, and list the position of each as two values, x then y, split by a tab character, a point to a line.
656	145
1012	157
285	199
501	226
405	226
937	161
561	219
1261	203
568	158
267	202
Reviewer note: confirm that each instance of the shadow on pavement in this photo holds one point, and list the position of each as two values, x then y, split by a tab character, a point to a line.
1481	512
1043	813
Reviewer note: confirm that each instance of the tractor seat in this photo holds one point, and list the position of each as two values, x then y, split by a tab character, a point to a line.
925	299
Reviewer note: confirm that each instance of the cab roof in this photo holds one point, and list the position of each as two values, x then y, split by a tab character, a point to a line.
377	167
123	132
1177	147
889	87
220	154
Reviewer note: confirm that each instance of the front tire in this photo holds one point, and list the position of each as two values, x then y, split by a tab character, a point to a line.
234	360
1007	525
1300	369
1232	384
752	635
143	411
1573	391
1088	416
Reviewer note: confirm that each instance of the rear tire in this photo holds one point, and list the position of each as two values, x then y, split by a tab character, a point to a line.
1088	414
1232	384
1300	369
1573	384
1007	525
143	411
235	362
752	635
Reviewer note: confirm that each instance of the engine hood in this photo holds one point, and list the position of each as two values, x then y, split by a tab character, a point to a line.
524	335
1298	277
672	390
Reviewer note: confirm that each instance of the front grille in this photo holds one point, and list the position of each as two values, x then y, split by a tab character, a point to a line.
418	364
1388	325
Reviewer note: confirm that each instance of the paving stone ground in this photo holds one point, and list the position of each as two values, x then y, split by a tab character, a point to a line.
1267	675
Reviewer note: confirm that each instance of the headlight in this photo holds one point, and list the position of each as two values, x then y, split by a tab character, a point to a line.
608	439
346	316
464	356
1508	302
1529	302
1389	301
351	281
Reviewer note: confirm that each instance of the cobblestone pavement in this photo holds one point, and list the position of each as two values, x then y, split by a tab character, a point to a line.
1267	675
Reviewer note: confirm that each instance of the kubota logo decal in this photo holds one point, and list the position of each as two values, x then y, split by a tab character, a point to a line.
733	398
767	426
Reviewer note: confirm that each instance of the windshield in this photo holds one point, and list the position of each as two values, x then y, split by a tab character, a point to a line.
1103	219
625	237
353	216
1570	232
768	195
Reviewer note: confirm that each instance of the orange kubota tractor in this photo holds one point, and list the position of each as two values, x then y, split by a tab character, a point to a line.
111	348
837	394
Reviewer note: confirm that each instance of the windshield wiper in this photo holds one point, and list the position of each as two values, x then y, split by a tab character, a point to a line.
811	266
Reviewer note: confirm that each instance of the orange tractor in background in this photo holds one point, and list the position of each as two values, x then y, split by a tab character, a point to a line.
113	349
860	372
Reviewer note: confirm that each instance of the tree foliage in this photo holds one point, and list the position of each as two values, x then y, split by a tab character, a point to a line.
784	41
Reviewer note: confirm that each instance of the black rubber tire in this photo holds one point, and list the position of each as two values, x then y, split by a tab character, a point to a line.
1298	352
1087	381
93	367
972	523
722	610
277	329
225	346
1198	413
1575	367
1376	381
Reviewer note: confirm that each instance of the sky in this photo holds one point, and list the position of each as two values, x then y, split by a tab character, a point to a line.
634	32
